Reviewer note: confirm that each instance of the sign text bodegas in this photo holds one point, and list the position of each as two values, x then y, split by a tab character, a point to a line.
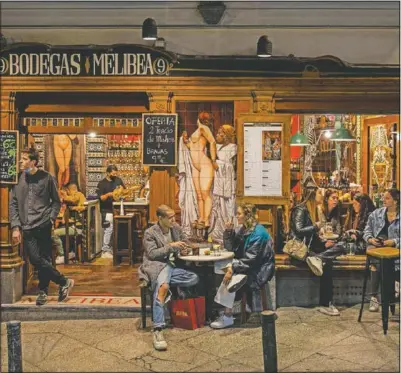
119	60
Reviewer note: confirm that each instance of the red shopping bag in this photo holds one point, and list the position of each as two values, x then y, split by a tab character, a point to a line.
188	313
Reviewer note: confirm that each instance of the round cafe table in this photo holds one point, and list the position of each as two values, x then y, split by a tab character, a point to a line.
205	265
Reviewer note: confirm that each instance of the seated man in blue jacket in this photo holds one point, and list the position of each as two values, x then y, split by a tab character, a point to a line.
253	263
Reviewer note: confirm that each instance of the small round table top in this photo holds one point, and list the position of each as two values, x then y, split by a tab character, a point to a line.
207	258
384	252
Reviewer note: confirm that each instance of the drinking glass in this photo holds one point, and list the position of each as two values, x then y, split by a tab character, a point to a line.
328	229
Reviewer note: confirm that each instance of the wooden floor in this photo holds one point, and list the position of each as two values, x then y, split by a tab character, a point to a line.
98	278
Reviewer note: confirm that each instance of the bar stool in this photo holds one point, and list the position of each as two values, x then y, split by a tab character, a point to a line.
387	257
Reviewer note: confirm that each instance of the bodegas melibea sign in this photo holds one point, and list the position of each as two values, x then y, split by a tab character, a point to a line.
121	60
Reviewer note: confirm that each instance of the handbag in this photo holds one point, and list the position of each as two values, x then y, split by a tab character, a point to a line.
188	313
297	249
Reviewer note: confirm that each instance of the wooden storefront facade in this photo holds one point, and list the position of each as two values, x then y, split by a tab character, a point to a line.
259	88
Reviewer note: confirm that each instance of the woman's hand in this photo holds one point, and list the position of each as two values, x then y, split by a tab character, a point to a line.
375	242
389	243
228	276
329	244
229	225
215	165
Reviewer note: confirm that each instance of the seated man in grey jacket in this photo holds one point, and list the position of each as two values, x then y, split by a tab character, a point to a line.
162	244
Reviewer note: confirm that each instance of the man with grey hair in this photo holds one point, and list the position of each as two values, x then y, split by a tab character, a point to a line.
162	244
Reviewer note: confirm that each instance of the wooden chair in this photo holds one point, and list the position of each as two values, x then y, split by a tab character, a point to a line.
387	257
268	287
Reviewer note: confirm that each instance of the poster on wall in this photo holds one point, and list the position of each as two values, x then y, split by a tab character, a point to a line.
206	170
263	159
9	157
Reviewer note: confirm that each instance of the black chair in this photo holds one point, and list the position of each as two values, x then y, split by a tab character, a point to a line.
145	290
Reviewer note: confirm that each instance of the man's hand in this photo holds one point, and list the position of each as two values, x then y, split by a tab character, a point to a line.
329	244
389	243
215	165
375	242
179	244
228	276
16	237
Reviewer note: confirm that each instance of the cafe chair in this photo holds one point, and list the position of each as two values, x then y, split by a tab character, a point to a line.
145	291
268	302
386	257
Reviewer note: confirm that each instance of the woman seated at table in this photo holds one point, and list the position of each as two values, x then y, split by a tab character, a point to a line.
322	252
383	230
328	213
253	263
363	206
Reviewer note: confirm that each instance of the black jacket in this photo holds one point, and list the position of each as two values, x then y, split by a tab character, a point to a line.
302	227
34	200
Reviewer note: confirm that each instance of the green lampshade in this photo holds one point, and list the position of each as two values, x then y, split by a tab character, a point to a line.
342	134
299	140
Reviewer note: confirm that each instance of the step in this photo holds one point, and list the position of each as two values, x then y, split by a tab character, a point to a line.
76	307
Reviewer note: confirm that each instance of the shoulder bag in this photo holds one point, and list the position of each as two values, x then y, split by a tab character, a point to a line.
297	249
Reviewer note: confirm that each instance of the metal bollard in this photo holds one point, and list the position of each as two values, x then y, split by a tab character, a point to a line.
269	341
14	346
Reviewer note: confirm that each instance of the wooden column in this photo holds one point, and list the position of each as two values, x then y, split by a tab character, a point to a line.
10	260
162	181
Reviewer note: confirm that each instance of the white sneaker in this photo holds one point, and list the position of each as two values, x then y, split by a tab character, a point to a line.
236	283
315	264
331	310
60	260
374	305
107	255
222	322
159	343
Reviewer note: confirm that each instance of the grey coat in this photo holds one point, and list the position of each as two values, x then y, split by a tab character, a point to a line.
156	252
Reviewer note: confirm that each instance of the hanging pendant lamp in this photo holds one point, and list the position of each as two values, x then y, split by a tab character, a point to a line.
299	139
341	134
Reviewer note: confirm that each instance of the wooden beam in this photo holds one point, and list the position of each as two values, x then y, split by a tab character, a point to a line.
48	108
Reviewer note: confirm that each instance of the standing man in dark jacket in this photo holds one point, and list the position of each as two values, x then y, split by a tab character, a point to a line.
34	207
105	190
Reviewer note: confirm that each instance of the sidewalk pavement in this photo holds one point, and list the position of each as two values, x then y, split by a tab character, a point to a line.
306	341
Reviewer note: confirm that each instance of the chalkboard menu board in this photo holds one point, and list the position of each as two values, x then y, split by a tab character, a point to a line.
9	155
159	138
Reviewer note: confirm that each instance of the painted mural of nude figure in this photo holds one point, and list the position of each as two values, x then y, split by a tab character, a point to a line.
203	166
63	152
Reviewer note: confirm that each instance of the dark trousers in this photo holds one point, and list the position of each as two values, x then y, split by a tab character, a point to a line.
38	245
326	281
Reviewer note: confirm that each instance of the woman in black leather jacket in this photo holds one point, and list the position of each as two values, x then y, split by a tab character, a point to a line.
321	253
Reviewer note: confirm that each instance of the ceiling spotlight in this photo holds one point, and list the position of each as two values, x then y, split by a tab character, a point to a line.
92	134
149	29
265	47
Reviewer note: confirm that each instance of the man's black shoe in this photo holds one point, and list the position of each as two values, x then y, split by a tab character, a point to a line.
64	291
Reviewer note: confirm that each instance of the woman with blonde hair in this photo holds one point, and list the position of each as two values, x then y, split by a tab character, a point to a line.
253	263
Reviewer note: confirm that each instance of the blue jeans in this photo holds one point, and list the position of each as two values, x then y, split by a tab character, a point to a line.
174	277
